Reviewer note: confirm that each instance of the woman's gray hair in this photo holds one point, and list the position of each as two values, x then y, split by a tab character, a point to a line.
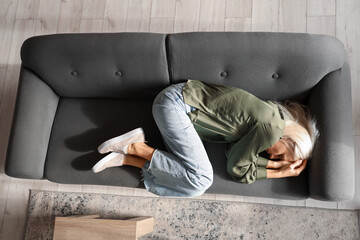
301	132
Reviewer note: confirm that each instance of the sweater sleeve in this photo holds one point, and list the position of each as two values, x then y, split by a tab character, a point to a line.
243	161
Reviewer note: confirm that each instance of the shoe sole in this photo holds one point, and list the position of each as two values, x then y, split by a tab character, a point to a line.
103	161
111	141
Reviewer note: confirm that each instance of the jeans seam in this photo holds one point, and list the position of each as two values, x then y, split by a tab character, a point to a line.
187	137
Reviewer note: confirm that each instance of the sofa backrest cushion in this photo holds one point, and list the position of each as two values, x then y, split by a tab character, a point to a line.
93	65
271	66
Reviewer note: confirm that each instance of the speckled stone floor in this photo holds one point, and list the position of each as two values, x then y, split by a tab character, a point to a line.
194	219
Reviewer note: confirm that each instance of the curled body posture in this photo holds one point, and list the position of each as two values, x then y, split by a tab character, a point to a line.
187	113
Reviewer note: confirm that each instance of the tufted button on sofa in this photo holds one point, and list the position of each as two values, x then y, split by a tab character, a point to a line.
78	90
275	76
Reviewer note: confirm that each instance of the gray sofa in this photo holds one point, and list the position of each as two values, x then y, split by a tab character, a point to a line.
78	90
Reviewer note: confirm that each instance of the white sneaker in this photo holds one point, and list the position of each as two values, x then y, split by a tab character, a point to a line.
111	160
121	143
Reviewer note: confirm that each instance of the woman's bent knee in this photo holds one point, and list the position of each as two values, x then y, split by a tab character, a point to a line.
201	182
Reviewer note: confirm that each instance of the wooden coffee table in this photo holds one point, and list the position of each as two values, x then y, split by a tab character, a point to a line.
91	227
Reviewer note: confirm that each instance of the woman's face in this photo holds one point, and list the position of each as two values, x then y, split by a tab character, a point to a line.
280	151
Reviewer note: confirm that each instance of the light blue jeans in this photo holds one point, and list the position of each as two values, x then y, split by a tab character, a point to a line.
184	170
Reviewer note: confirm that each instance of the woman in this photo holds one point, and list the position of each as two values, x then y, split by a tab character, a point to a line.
187	113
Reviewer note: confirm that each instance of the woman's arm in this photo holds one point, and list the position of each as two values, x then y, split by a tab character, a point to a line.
278	164
287	170
242	157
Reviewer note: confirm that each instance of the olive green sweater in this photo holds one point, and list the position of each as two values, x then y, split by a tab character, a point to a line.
231	115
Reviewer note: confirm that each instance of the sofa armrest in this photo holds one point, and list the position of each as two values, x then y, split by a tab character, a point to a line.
332	167
34	114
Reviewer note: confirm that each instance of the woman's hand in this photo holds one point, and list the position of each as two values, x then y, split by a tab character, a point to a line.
288	170
278	164
293	169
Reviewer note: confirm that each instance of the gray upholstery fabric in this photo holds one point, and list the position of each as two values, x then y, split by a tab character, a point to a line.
112	65
31	127
250	60
74	140
332	168
101	85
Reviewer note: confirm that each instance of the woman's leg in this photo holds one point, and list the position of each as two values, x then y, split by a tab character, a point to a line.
185	169
141	149
134	161
138	154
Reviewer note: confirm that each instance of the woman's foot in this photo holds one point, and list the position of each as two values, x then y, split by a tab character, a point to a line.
120	143
111	160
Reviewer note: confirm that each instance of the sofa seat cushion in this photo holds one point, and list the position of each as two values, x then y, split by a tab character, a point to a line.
81	125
